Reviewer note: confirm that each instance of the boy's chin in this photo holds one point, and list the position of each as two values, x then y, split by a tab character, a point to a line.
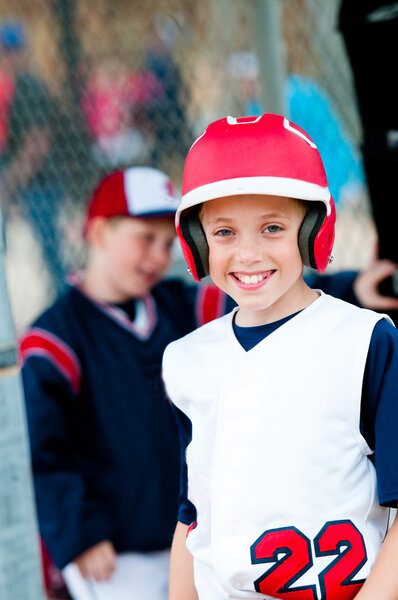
140	291
132	292
141	286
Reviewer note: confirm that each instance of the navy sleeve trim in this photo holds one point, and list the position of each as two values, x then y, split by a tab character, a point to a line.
389	502
379	408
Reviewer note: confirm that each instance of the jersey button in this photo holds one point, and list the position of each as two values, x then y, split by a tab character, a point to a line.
243	380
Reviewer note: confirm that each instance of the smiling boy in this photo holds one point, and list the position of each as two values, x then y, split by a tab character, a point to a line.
292	396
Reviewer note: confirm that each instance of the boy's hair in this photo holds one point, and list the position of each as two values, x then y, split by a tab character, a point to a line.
141	192
265	155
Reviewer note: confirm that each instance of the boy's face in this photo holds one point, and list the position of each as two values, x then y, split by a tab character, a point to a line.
135	255
254	255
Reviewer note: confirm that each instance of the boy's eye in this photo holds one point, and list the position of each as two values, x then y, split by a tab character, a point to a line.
147	238
224	232
272	228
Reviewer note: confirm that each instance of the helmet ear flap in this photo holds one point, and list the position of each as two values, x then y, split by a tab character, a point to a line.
194	235
310	226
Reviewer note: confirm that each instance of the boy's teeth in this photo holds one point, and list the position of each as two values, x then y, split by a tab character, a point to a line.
250	279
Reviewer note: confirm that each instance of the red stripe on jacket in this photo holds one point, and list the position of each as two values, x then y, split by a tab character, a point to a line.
39	342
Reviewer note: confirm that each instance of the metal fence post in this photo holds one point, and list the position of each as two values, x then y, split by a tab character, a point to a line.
270	51
20	567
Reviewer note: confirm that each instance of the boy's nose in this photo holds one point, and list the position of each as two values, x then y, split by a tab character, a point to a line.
248	253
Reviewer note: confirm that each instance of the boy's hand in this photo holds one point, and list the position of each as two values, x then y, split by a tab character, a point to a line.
98	562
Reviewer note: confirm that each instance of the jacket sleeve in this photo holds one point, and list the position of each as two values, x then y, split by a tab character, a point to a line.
70	521
340	285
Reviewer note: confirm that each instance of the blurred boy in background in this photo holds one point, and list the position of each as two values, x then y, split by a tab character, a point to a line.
105	447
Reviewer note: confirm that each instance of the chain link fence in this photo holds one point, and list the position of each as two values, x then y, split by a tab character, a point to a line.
88	86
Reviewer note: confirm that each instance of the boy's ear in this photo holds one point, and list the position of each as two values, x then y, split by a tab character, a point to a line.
95	231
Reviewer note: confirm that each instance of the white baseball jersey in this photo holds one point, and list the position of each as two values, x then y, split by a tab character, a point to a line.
278	470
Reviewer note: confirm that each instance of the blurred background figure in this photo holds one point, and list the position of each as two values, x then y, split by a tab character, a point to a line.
168	114
114	99
103	437
369	31
244	71
30	182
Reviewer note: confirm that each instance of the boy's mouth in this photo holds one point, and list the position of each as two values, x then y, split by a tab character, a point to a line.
252	279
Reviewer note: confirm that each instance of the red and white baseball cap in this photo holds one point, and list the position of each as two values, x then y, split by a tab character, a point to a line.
265	155
142	192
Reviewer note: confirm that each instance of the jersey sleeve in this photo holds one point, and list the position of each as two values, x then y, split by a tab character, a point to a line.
379	409
186	511
70	520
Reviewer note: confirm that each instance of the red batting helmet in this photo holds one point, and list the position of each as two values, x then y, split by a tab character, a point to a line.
256	155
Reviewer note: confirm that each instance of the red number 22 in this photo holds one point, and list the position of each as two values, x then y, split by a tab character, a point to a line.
339	538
